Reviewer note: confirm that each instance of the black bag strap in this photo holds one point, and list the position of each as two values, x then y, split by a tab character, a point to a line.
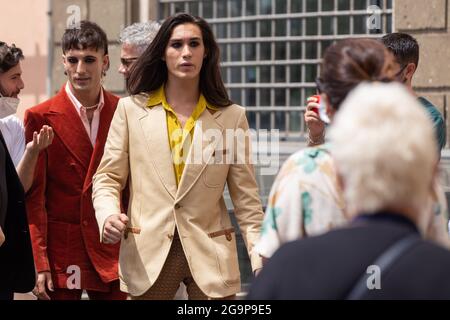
384	261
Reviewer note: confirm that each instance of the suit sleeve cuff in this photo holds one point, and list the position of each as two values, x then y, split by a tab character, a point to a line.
42	264
256	261
101	218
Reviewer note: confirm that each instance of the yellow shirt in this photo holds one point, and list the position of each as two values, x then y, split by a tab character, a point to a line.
178	136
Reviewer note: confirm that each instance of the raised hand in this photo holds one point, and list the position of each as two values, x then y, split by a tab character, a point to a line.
41	140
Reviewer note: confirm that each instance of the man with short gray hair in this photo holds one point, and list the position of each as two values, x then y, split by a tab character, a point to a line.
135	39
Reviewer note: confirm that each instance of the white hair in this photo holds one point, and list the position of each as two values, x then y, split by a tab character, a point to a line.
140	34
384	150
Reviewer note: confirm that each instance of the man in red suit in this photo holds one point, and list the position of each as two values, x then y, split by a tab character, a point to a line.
66	242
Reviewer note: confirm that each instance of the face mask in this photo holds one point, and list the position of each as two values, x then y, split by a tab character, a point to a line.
8	106
323	112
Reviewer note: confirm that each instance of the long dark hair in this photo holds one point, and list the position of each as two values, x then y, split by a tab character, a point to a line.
349	62
150	71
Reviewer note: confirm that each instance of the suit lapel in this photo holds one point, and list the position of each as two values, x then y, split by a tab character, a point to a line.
208	133
154	127
67	125
106	116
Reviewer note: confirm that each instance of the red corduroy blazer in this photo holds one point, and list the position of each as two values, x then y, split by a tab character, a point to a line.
63	227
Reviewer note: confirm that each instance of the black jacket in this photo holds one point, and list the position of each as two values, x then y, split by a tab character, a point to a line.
17	272
329	266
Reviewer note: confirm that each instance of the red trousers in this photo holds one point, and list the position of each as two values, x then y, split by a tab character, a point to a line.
68	294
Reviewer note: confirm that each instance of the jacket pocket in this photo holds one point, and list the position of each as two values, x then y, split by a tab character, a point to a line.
226	256
215	175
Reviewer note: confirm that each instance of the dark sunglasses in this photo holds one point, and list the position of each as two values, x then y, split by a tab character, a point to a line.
127	62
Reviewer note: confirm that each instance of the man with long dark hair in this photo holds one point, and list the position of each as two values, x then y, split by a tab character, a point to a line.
177	228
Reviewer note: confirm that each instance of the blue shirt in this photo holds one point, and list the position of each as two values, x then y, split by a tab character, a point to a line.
438	122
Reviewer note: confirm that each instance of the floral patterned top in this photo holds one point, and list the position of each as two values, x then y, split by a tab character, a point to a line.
304	200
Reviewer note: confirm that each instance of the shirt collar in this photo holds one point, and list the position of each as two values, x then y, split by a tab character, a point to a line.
386	216
78	104
159	97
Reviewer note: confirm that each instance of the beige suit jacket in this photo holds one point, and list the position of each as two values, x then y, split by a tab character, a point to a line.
138	149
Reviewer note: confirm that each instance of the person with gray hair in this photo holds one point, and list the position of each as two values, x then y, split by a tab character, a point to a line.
386	174
135	39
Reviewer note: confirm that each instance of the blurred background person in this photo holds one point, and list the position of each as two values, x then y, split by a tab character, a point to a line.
387	201
69	257
406	51
24	156
11	84
16	256
305	199
160	140
135	39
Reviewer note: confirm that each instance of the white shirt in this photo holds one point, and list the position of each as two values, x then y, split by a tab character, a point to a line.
91	129
14	134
